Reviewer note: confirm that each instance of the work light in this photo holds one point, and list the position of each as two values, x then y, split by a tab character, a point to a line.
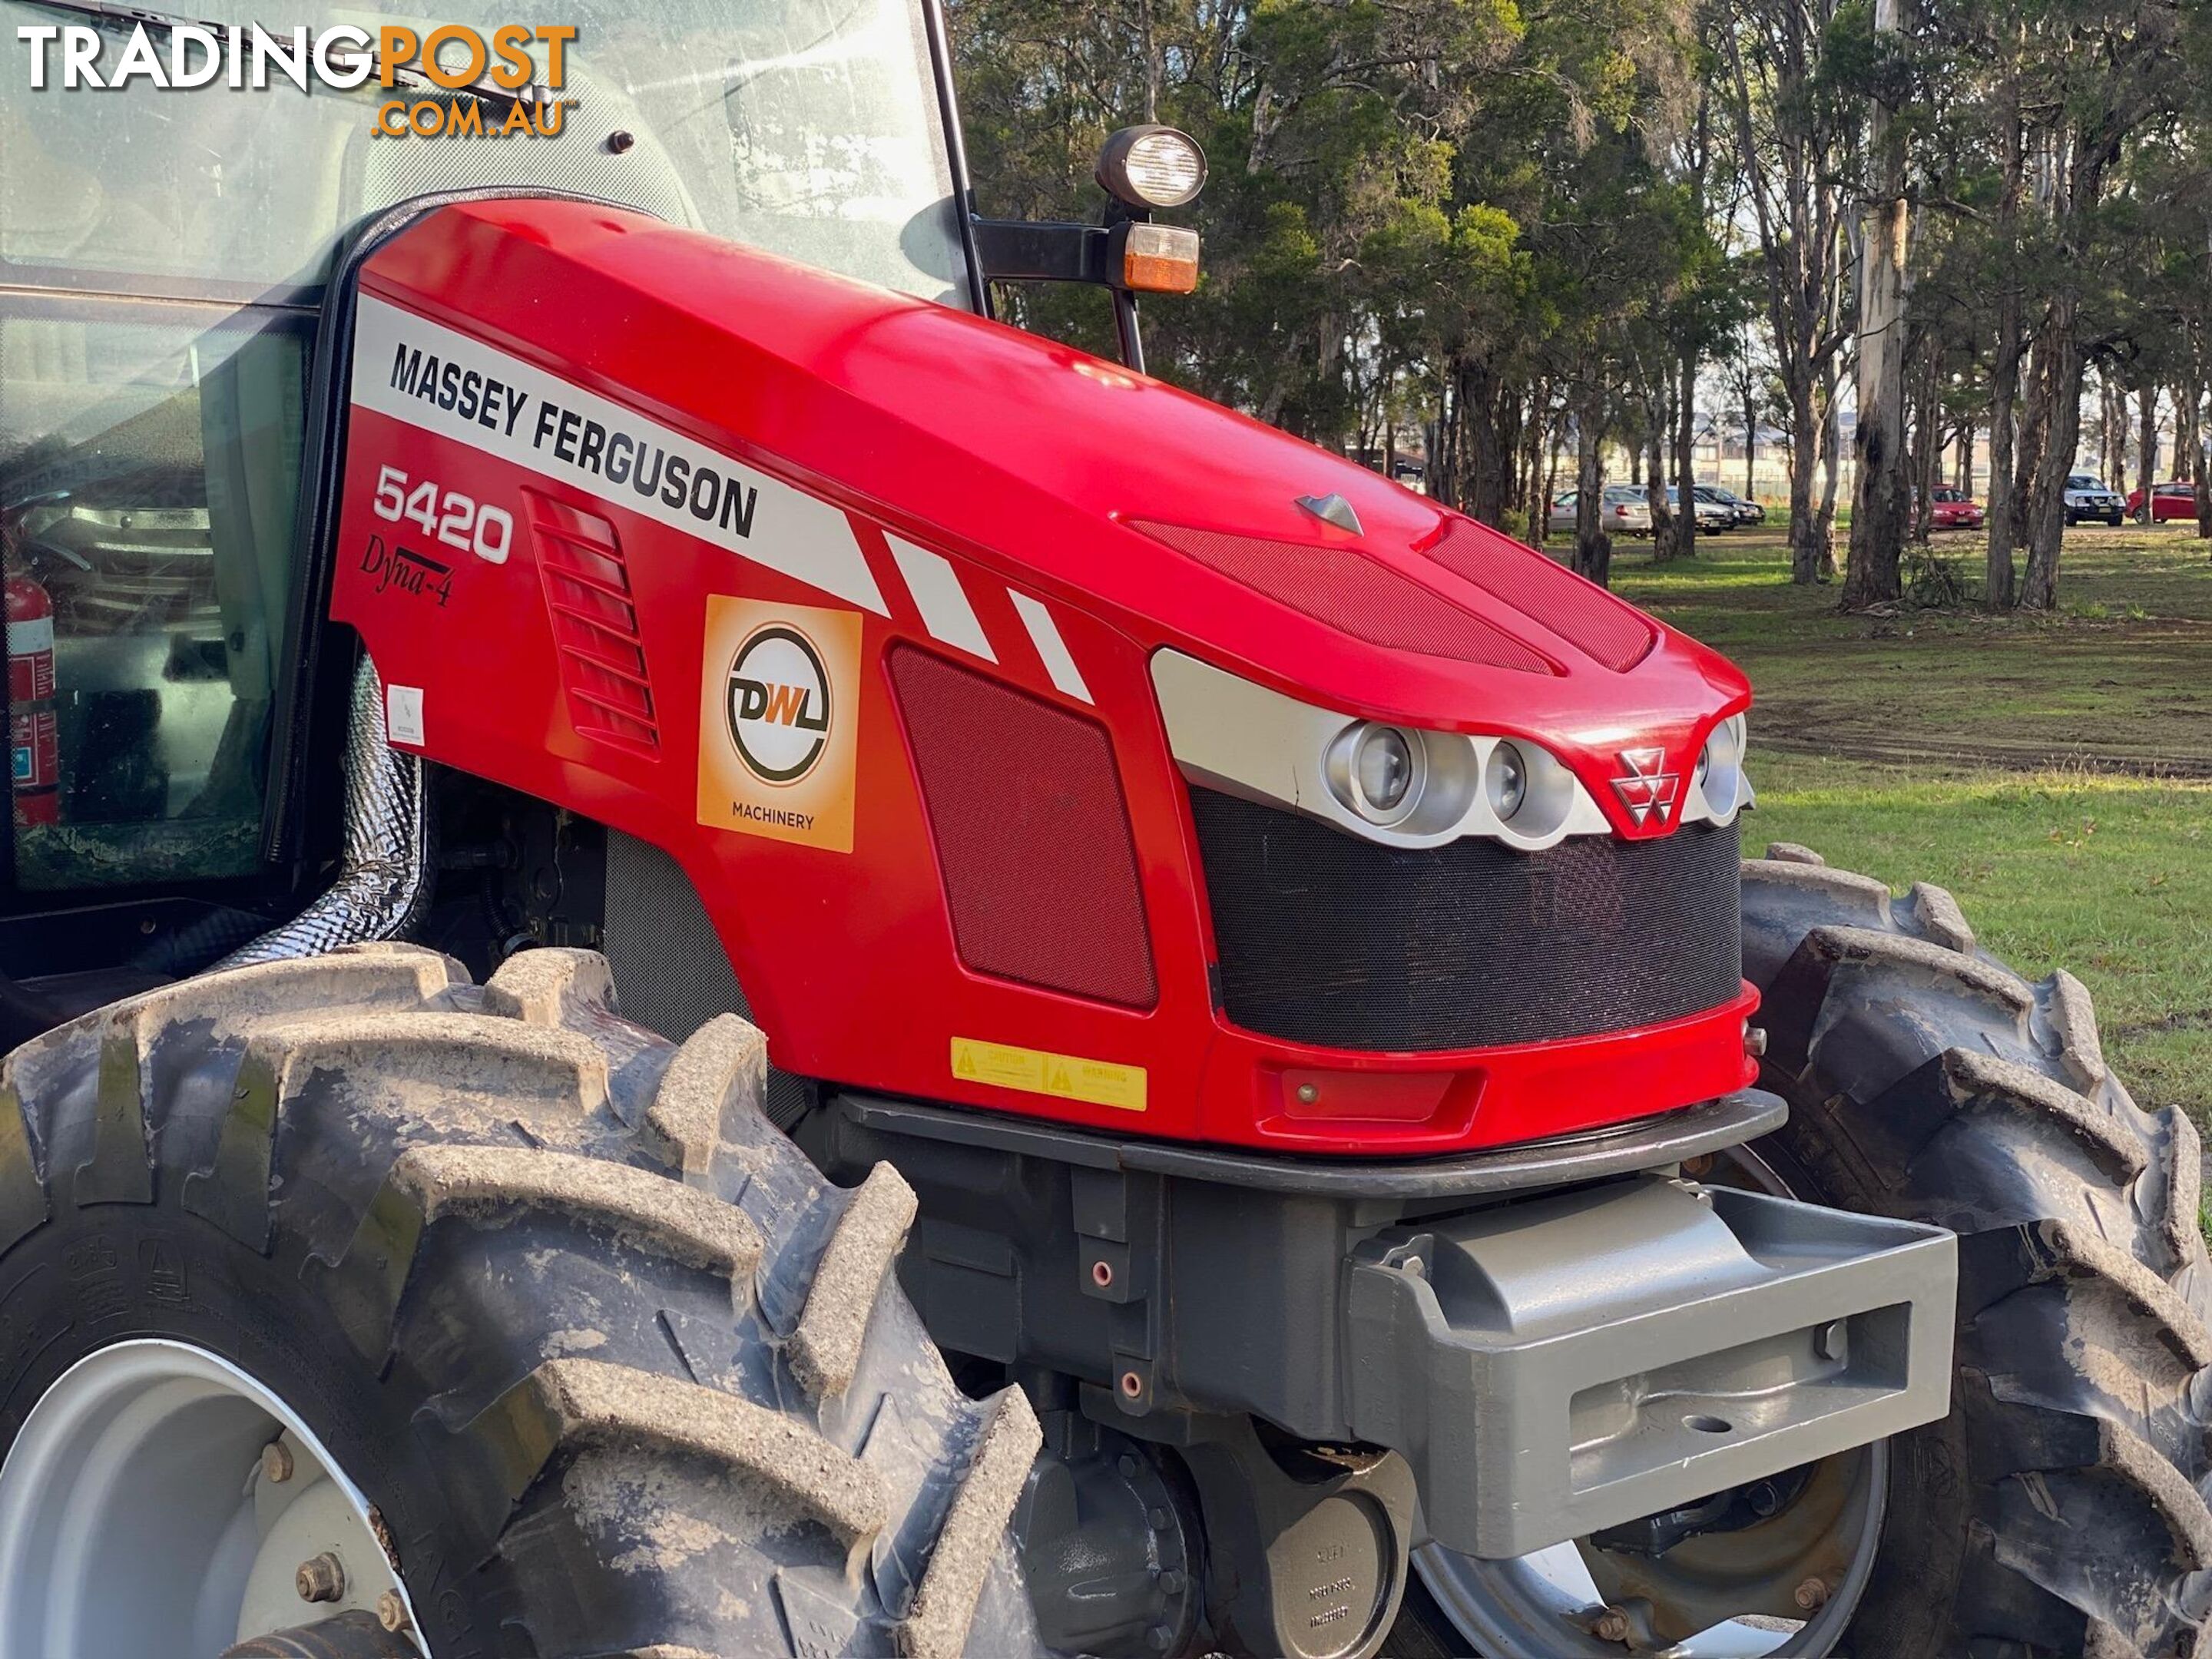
1152	166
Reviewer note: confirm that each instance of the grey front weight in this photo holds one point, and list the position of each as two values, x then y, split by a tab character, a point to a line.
1558	1366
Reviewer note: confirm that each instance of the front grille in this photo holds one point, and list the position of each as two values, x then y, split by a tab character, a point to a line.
1329	939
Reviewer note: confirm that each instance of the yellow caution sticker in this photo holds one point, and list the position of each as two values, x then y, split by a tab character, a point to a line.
1033	1072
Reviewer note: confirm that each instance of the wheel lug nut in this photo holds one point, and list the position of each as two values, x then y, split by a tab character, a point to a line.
392	1611
276	1462
322	1579
1812	1595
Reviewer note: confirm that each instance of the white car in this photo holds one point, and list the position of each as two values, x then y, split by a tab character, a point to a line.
2087	497
1622	511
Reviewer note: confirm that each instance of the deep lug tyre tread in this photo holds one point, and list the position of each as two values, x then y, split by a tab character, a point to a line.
2060	1511
675	1403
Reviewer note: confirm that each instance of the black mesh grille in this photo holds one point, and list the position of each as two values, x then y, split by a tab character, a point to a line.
1329	939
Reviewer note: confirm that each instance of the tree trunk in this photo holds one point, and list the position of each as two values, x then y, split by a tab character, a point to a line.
1810	558
2201	461
2034	433
1926	445
1478	459
2147	449
2112	430
1655	479
1593	547
2004	390
1551	450
1831	472
1686	458
2060	355
1877	511
1750	441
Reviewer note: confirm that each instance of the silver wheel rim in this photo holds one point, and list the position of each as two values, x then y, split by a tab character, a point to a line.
139	1515
1542	1606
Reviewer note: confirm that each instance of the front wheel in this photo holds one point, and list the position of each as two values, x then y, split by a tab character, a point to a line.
2056	1510
451	1320
2055	1514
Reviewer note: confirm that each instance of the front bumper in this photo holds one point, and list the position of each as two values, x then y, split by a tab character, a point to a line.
1558	1366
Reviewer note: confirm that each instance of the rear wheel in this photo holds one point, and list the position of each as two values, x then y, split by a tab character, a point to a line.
472	1320
2055	1512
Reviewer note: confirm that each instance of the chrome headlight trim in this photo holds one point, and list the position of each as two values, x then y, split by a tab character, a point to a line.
1231	734
1719	790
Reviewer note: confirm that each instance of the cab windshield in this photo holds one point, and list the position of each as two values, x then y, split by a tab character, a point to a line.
810	128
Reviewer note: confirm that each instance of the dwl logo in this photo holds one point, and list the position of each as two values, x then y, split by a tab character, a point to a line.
778	703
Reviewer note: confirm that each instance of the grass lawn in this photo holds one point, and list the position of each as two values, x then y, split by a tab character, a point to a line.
2121	676
2054	773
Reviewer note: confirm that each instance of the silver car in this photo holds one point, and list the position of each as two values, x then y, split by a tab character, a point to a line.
1714	516
2087	497
1622	511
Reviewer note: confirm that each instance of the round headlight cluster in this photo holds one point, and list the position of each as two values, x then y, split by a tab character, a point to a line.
1425	784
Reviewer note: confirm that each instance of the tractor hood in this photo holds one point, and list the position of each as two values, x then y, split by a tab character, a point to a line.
1164	516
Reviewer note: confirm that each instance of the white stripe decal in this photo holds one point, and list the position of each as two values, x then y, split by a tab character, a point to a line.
444	382
939	596
1052	648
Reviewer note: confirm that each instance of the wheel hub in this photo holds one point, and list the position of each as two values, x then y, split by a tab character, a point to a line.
159	1500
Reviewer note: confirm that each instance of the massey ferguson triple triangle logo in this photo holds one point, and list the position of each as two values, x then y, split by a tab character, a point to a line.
1648	788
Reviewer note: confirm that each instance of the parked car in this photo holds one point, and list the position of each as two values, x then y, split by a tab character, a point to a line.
2087	497
1713	516
1952	508
2174	499
1622	511
1746	510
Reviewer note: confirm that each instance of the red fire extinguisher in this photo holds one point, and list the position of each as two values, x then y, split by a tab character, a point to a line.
33	748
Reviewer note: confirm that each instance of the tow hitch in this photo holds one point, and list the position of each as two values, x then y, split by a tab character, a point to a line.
1558	1366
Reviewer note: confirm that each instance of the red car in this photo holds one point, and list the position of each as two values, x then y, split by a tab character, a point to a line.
2173	499
1951	508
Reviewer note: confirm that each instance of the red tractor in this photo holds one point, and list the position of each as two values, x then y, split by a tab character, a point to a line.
1196	1068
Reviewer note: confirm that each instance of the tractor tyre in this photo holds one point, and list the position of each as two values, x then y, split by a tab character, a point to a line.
610	1368
2055	1512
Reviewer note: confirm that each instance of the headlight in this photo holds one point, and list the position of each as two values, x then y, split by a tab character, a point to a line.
1379	771
1719	777
1507	778
1384	766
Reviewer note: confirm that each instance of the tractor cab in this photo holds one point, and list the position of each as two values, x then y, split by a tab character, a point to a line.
164	257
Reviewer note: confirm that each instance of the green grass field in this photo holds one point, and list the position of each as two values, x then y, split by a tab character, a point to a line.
2054	773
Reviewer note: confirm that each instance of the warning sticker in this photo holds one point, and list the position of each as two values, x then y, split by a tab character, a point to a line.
778	722
1033	1072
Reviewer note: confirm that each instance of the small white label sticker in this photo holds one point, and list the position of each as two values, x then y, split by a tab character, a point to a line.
402	714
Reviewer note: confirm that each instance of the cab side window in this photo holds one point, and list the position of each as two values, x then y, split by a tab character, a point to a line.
149	458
